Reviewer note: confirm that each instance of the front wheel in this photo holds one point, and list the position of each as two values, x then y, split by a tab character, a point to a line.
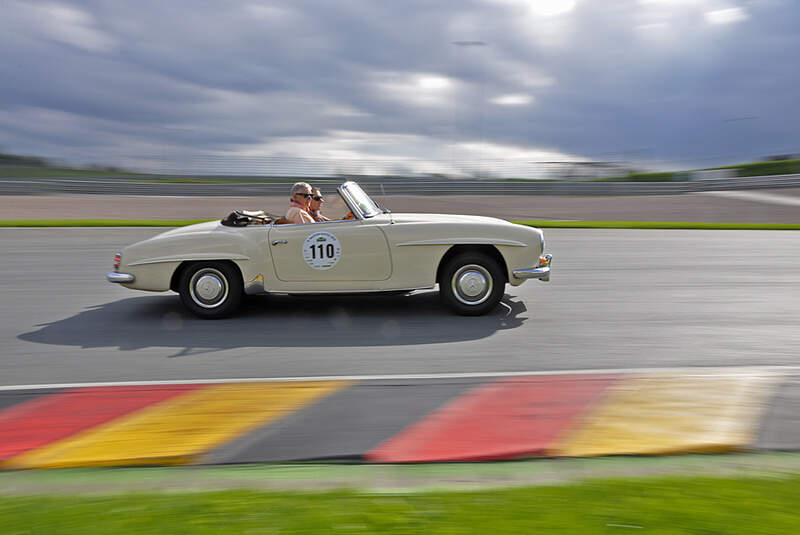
211	289
471	284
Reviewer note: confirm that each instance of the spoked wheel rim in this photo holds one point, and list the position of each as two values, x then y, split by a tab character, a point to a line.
472	284
208	288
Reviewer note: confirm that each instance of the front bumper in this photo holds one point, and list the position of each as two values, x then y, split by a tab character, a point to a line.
541	272
119	277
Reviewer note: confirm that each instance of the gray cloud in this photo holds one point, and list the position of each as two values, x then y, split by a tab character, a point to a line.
673	83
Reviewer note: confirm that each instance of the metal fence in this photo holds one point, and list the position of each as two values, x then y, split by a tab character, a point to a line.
389	185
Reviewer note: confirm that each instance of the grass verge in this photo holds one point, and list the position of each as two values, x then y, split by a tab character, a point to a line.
660	225
393	478
540	224
40	171
660	506
99	222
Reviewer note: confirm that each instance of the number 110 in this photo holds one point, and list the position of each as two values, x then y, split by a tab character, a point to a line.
325	251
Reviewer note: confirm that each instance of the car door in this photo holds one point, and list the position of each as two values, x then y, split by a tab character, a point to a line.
330	251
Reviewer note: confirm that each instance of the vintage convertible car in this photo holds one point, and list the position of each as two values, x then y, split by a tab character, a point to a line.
211	265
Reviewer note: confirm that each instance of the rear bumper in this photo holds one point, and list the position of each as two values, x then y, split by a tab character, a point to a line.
541	272
119	277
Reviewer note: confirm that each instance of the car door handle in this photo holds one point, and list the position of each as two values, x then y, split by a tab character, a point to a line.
279	242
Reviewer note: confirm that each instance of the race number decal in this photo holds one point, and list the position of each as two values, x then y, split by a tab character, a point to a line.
321	250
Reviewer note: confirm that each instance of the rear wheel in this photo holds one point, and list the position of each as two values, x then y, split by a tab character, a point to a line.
471	284
211	289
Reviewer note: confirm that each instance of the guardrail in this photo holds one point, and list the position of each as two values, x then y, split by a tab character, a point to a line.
383	186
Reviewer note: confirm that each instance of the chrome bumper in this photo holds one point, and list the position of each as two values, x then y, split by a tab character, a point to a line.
119	277
541	272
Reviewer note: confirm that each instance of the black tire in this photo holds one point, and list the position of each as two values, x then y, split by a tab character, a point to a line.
211	289
471	284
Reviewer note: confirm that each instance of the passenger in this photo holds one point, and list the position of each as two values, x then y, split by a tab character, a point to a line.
315	205
298	204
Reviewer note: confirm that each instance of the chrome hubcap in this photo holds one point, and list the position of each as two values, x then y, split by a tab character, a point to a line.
472	284
208	288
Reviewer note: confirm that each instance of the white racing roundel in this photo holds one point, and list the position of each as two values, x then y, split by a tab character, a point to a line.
321	250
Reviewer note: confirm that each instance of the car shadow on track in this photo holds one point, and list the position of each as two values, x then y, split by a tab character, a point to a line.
276	321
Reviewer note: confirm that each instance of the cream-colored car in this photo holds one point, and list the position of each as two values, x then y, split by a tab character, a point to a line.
212	265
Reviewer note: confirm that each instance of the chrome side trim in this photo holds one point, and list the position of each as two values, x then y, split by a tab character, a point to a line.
289	225
190	257
330	292
119	277
464	241
255	286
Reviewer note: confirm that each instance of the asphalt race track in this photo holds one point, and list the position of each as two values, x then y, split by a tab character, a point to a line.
617	299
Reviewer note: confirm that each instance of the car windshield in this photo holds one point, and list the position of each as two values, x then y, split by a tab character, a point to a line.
360	199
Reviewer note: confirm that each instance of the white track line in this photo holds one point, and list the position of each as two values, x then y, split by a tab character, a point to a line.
738	371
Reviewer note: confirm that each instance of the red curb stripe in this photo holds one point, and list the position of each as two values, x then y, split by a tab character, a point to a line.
504	419
38	422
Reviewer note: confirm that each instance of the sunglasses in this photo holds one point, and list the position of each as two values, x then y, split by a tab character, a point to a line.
318	198
306	195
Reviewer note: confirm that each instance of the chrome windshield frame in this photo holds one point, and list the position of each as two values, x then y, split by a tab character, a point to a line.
345	191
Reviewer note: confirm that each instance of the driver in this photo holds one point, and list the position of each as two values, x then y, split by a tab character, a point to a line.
299	202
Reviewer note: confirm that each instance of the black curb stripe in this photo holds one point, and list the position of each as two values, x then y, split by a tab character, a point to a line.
345	425
779	428
10	398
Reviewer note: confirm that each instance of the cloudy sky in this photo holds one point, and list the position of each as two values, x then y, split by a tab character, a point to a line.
404	85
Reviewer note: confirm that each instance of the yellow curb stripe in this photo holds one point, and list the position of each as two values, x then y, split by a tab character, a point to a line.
180	429
662	414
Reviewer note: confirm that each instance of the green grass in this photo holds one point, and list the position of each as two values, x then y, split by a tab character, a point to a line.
781	167
21	171
540	224
37	172
44	172
657	506
666	176
233	180
99	222
660	225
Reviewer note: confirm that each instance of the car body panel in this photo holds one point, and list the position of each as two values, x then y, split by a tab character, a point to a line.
422	240
385	252
363	252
